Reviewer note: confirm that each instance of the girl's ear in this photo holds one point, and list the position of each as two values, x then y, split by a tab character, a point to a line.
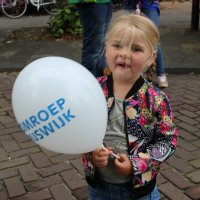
152	58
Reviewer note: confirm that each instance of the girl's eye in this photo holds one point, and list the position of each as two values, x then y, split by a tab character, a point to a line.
136	49
116	46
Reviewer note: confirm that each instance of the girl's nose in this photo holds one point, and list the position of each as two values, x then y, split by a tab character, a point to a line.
125	53
124	56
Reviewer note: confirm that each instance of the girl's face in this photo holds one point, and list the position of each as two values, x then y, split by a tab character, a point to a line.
125	63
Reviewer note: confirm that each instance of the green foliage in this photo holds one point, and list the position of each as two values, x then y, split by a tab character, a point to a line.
67	21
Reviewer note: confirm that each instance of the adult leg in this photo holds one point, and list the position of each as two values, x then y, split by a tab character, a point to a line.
95	18
154	16
101	61
160	68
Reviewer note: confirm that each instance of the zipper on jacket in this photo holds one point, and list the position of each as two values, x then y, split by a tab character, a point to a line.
125	128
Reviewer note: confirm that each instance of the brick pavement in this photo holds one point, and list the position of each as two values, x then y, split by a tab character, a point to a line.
28	172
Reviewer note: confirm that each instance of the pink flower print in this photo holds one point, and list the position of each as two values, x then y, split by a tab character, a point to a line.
141	164
134	102
84	161
174	141
142	120
164	127
143	104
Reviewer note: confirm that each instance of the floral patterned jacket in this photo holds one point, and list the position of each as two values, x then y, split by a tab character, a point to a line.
150	132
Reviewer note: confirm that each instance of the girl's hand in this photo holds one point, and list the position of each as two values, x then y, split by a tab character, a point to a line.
100	157
123	165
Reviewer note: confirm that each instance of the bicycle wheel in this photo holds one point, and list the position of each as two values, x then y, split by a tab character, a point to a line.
14	8
54	7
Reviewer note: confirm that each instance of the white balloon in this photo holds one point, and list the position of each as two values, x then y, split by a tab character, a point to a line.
60	105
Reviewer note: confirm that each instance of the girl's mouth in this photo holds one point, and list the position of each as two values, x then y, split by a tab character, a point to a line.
123	64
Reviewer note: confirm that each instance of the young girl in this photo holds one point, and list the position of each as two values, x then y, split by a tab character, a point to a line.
140	126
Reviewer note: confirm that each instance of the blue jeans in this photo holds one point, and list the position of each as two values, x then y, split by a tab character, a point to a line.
107	191
154	15
95	18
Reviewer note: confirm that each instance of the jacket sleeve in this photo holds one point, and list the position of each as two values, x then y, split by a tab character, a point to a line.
164	138
87	164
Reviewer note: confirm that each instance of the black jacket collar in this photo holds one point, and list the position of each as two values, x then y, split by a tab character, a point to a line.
138	84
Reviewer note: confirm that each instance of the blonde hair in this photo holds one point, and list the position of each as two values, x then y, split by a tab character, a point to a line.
131	24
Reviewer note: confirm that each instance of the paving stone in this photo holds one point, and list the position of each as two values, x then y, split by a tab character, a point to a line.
1	126
190	107
40	160
10	130
188	113
194	192
11	114
8	93
3	102
196	163
26	145
1	186
198	126
173	192
176	121
198	112
49	153
186	145
187	127
196	153
6	173
63	157
161	179
6	119
28	173
183	154
186	135
43	183
196	142
54	169
176	114
180	164
9	144
3	196
20	137
176	178
2	113
165	166
14	187
3	155
14	162
77	164
73	180
163	197
186	102
39	195
81	193
11	125
24	152
61	192
194	176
